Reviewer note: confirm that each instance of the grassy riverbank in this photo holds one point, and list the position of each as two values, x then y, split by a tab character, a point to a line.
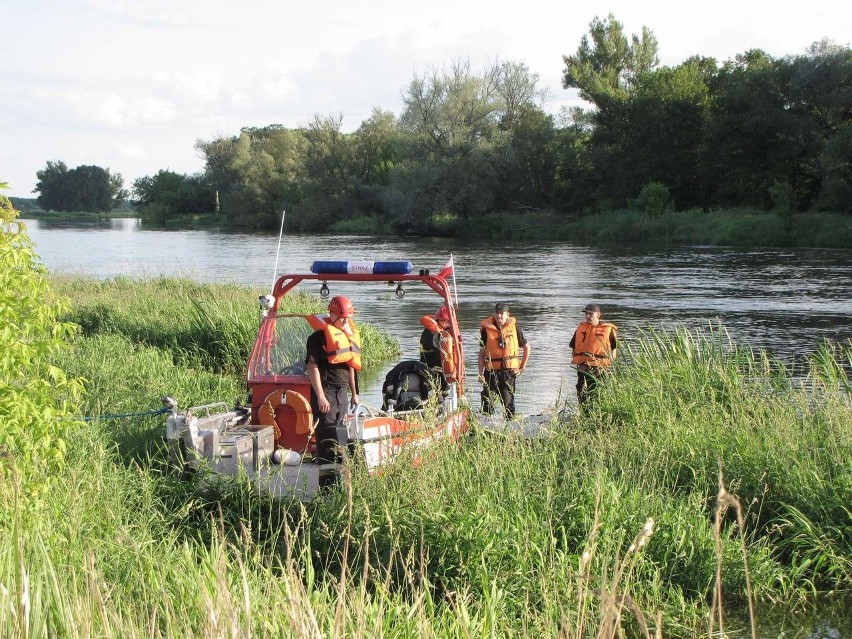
744	470
737	227
719	228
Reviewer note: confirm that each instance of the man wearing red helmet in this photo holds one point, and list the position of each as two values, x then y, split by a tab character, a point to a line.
332	361
436	345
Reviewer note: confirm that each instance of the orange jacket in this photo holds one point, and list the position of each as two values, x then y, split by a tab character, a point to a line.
593	345
340	347
501	345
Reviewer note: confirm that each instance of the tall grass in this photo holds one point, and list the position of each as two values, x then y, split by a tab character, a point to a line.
729	227
614	526
207	326
736	227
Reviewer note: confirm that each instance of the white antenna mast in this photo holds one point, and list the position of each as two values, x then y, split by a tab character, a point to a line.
278	252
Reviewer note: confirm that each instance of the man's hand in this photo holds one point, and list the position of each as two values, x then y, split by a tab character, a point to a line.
322	404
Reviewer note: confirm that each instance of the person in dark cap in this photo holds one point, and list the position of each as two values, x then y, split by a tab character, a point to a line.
593	349
503	355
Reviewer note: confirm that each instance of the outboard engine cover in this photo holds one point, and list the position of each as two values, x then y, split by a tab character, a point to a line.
406	386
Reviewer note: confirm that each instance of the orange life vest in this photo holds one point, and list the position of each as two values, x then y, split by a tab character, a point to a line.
340	347
446	346
592	344
499	357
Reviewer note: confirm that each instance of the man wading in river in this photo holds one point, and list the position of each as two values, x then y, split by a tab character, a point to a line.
593	350
503	355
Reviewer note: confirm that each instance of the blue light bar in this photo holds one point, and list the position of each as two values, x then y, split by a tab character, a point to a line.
322	267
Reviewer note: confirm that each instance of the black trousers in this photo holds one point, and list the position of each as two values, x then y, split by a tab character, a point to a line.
499	384
587	380
331	433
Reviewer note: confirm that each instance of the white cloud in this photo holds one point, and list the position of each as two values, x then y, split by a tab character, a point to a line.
200	86
111	106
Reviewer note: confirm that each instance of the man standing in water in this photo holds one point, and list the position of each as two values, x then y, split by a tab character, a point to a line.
503	355
333	360
593	350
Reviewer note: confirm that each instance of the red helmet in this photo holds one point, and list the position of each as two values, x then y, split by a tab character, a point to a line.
341	306
443	315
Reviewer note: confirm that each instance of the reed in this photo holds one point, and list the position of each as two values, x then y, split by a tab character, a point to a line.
500	536
206	326
729	227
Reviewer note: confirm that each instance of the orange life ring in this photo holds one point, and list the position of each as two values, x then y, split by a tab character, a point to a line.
294	400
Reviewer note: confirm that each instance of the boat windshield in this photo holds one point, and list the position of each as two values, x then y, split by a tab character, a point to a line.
280	347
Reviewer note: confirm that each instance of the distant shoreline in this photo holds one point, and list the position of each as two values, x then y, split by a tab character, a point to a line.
733	227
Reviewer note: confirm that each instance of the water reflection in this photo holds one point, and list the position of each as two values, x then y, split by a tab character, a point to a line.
786	301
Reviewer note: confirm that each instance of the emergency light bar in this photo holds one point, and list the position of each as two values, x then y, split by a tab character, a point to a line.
361	267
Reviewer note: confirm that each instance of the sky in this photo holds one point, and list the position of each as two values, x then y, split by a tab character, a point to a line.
131	85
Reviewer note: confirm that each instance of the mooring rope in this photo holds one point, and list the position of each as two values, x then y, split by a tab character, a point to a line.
158	411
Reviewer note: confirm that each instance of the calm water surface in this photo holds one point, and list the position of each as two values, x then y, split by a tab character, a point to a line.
784	300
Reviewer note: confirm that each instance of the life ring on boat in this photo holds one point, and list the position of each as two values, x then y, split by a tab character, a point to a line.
297	402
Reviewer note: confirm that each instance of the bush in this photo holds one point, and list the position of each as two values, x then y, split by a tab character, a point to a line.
36	397
654	199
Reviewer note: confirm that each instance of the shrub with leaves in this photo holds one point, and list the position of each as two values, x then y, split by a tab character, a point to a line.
36	397
653	199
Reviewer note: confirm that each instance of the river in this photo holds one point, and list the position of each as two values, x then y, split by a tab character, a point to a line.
783	300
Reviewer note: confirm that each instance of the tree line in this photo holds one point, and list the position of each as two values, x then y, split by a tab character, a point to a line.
755	131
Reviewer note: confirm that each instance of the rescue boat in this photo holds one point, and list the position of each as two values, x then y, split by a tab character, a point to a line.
271	439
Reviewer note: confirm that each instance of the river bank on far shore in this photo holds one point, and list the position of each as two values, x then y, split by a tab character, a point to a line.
730	227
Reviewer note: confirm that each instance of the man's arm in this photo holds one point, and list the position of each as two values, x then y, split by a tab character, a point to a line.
483	335
353	385
316	384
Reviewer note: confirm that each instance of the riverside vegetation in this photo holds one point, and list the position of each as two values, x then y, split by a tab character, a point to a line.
705	476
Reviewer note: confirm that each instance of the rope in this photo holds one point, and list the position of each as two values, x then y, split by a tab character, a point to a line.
158	411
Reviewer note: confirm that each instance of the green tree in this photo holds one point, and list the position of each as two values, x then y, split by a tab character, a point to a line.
821	90
653	199
256	173
754	136
168	194
52	186
378	147
86	188
454	155
607	68
517	91
664	122
450	112
529	163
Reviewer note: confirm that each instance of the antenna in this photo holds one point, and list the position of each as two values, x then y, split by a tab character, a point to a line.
278	252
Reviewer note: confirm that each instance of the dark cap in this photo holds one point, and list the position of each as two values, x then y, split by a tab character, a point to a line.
592	308
501	306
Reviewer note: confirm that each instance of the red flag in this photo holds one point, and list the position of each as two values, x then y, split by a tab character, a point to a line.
447	271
